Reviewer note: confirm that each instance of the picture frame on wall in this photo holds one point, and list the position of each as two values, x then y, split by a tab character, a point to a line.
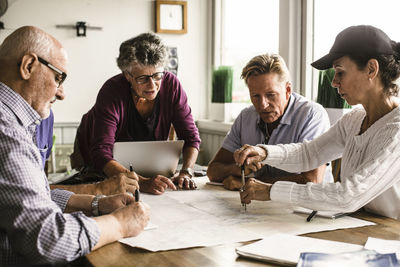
171	17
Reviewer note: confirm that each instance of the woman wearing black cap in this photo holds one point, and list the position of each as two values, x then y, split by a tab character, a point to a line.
366	63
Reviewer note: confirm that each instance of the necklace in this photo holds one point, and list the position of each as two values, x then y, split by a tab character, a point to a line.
143	106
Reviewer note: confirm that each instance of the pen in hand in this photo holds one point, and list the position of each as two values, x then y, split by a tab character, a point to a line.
242	188
137	194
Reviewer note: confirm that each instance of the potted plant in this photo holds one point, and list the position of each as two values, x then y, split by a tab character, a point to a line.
221	95
329	97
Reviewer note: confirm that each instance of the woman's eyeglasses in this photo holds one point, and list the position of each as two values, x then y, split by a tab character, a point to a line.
146	78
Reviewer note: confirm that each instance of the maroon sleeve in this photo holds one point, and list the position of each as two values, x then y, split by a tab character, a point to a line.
108	114
182	118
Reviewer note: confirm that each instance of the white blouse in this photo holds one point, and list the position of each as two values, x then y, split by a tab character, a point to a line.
370	169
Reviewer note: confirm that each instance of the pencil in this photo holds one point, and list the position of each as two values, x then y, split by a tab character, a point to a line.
137	194
243	183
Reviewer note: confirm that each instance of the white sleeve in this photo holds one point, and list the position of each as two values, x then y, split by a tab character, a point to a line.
308	155
372	176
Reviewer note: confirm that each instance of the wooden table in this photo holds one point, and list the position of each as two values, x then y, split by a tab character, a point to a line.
117	254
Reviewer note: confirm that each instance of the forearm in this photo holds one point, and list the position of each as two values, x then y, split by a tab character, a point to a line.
297	178
110	230
113	168
313	176
189	157
302	157
80	202
91	189
218	171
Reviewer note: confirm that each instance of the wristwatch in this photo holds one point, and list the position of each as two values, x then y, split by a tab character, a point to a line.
95	205
188	171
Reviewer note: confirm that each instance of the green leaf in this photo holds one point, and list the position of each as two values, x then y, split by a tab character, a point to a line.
328	96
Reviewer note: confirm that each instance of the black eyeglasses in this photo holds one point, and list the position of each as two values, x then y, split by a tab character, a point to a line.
60	78
146	78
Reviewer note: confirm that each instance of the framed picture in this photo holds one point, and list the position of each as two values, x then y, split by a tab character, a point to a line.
171	16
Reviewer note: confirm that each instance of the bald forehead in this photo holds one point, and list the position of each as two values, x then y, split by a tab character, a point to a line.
28	39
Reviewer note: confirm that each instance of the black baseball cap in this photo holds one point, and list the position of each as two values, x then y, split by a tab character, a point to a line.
356	40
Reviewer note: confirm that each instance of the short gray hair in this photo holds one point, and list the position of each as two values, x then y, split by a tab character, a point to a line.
27	39
145	49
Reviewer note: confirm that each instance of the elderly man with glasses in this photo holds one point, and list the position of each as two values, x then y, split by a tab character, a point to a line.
139	104
40	226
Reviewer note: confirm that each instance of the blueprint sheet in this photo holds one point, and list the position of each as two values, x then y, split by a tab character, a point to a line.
212	216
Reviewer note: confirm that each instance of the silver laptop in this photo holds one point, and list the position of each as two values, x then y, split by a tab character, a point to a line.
149	158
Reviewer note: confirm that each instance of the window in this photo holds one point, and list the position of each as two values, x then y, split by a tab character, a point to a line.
332	17
247	28
300	31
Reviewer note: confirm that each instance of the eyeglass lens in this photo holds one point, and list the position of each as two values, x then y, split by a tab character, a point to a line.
145	78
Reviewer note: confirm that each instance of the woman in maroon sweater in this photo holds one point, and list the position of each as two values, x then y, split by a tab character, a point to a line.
140	104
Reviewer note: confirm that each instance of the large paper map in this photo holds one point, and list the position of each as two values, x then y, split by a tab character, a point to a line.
212	215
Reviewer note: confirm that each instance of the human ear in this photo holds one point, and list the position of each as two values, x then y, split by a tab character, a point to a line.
372	68
27	66
288	89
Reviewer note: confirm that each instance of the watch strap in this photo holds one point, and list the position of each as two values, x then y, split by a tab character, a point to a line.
95	205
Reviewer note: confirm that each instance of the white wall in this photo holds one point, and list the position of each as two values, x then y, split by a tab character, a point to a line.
92	58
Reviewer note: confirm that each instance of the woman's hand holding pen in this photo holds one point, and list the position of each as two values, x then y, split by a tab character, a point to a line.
250	156
255	190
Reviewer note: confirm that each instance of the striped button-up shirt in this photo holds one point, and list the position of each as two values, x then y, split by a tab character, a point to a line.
33	228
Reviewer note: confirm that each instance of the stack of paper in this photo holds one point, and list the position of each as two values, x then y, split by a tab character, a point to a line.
286	249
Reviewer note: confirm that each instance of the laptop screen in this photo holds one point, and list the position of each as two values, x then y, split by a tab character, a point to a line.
150	158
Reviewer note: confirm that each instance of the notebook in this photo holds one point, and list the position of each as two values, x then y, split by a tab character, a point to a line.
149	158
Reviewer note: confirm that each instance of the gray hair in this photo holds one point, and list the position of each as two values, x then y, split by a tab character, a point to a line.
145	49
264	64
27	39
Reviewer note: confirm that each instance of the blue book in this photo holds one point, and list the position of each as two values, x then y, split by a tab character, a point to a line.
367	258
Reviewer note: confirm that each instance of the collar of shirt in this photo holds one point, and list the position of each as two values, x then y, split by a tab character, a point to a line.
17	104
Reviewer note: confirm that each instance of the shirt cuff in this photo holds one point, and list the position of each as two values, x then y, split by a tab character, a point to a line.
275	154
61	197
284	192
